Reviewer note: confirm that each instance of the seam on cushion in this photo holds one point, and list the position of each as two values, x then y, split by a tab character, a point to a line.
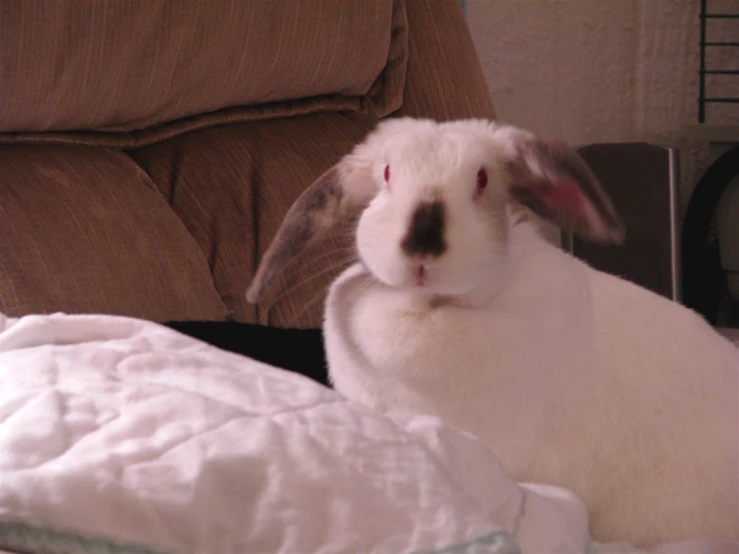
146	137
147	180
384	102
145	177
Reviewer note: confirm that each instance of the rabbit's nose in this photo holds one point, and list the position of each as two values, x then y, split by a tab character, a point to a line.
425	235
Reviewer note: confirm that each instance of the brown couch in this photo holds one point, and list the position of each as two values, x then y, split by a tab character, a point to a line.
149	148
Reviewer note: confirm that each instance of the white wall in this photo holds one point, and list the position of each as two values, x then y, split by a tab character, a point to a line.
603	70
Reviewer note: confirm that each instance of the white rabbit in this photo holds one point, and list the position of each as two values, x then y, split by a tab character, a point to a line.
457	308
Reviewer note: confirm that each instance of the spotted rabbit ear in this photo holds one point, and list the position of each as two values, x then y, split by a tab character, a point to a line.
336	193
556	183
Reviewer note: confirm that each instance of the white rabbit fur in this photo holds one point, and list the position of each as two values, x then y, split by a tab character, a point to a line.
574	377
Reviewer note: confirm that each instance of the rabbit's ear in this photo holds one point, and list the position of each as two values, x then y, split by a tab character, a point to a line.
555	182
337	193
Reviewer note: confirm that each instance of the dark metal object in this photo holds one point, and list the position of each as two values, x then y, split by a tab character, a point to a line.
703	278
642	180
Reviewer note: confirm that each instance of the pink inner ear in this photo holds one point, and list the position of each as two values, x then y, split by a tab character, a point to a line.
567	204
563	197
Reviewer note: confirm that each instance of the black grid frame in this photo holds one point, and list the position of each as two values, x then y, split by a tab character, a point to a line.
704	95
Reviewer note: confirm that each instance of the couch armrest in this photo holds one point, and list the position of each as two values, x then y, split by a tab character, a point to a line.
444	79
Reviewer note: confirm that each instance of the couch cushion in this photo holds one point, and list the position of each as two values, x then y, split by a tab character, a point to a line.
231	185
121	66
83	229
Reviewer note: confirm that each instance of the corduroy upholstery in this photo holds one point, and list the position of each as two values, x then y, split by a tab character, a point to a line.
149	149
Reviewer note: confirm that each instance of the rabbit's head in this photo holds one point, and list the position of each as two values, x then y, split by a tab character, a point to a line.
434	200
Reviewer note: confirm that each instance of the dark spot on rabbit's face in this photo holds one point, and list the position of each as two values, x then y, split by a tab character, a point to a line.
425	235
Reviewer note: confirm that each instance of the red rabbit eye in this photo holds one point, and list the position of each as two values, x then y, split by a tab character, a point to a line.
387	173
482	181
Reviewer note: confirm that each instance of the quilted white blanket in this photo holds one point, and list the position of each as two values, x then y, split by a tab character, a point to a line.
119	435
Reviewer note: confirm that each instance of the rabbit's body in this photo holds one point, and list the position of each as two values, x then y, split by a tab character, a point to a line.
572	376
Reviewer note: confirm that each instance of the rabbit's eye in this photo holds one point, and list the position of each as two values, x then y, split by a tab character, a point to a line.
482	182
387	173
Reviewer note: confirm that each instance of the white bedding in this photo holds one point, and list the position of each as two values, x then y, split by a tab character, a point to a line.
115	431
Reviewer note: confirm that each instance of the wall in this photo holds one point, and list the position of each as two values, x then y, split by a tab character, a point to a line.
604	70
